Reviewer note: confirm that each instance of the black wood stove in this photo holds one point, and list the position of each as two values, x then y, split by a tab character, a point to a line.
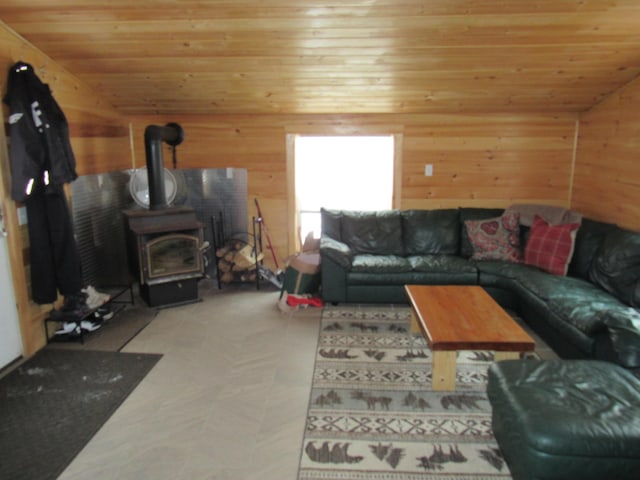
164	243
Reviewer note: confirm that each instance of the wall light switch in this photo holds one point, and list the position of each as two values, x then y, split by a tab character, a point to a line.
428	170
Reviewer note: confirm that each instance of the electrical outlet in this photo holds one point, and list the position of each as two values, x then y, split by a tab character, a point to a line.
428	170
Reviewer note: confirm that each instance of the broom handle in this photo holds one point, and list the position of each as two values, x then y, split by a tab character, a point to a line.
266	232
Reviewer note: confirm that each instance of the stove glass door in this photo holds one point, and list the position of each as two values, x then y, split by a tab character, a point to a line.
172	255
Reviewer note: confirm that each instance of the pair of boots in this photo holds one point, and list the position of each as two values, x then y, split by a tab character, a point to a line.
73	313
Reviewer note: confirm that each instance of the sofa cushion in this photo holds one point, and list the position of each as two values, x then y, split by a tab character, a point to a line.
624	331
378	233
466	249
441	264
431	231
496	238
330	223
573	301
548	286
550	247
588	316
509	270
337	251
380	264
616	266
563	419
589	237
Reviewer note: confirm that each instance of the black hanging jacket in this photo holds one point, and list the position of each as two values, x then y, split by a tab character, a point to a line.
41	155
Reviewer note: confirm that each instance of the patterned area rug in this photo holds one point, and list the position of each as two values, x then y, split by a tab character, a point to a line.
372	413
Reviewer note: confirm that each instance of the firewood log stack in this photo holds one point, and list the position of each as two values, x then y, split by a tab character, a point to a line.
237	261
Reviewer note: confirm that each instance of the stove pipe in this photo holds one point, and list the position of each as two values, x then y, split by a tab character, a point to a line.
154	135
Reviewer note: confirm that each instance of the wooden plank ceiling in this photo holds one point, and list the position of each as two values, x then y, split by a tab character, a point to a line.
351	56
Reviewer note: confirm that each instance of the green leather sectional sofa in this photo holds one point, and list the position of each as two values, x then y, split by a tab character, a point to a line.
592	312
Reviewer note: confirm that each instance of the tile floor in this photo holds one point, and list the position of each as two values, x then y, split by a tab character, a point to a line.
228	400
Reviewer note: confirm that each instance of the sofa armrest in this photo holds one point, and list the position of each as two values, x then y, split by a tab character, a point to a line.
624	333
337	251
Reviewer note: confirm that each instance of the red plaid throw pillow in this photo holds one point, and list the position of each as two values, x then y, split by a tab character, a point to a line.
550	247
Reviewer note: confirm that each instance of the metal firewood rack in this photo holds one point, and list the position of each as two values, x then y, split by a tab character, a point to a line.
220	239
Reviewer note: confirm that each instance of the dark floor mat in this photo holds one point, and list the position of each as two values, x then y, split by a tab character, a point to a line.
51	406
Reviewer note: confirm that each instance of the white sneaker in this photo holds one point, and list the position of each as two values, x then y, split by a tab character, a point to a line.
90	326
102	314
95	298
67	328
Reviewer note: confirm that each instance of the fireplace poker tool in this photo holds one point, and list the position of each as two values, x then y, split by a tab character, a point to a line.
275	278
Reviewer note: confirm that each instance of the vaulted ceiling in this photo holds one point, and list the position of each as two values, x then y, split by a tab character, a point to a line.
351	56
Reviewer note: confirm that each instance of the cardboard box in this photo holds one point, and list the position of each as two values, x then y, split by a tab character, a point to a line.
302	274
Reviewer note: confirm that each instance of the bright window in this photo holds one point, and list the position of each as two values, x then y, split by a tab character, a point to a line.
347	173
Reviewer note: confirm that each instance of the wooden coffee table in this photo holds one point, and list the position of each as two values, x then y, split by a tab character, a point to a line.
454	318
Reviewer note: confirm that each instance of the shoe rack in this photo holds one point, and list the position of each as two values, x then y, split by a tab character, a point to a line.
118	301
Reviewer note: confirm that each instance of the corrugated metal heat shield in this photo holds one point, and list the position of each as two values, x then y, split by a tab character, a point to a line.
98	201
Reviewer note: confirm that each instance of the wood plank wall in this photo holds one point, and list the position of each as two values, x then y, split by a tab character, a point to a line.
100	140
607	174
479	160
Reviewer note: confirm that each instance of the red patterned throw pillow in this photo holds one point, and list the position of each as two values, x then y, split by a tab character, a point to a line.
550	247
496	238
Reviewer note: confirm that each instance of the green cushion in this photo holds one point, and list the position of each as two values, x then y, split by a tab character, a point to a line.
380	264
330	223
431	231
572	300
337	251
587	315
566	419
616	266
441	264
589	237
624	331
512	271
378	233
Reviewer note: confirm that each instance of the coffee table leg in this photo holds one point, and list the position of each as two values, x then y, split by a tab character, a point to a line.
415	328
443	370
506	356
